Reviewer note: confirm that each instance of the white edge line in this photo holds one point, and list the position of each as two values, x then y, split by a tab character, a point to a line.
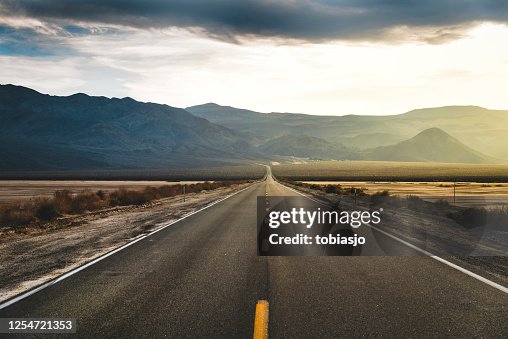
446	262
104	256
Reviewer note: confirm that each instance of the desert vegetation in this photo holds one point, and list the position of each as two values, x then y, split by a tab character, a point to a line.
467	217
425	188
332	188
390	171
40	210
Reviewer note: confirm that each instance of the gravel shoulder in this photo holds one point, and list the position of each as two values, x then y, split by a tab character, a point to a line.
28	260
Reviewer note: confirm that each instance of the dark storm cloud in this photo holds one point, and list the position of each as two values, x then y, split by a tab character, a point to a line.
294	19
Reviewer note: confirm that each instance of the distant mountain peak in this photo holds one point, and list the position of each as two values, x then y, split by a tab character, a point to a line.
303	145
212	106
432	132
430	145
18	89
79	95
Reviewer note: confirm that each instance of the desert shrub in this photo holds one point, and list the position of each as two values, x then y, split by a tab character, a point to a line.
85	201
416	203
207	186
332	189
498	217
16	213
441	203
470	217
66	202
133	197
101	194
46	210
384	193
379	197
130	197
63	200
354	191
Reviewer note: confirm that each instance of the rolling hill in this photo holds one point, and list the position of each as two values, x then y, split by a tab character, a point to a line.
431	145
308	147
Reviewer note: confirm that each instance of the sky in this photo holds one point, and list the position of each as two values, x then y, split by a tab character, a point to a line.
371	57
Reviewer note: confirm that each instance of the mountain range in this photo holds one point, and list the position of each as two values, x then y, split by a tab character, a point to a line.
478	128
43	132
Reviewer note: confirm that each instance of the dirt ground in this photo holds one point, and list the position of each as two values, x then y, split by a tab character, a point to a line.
27	260
424	188
26	189
469	194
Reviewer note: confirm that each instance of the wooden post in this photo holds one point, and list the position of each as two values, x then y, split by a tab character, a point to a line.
183	193
454	193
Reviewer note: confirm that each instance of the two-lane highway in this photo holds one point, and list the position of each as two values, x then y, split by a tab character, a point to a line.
201	277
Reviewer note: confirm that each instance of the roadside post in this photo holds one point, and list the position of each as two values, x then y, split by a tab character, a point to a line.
454	193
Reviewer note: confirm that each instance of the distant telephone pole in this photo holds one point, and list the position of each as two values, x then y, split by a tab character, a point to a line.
454	191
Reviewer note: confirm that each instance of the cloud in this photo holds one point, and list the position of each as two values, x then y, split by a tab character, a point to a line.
179	68
317	20
28	42
67	76
38	38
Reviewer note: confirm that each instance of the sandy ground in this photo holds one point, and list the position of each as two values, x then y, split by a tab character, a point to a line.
27	260
424	188
26	189
470	194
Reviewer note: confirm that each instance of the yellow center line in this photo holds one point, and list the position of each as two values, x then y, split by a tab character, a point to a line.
261	320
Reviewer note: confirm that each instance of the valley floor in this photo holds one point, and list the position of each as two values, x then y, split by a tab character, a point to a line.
468	194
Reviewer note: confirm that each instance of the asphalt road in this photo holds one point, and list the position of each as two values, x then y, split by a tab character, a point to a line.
201	277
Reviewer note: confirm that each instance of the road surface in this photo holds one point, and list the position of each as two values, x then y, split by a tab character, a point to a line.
201	277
